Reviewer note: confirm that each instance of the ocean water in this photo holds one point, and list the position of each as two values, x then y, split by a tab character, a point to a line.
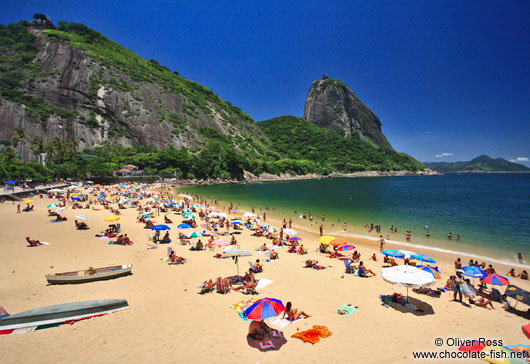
490	212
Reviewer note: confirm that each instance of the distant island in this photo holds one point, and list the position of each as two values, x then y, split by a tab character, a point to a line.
480	164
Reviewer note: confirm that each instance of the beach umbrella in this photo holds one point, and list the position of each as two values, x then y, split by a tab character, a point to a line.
263	309
222	214
496	280
148	217
272	229
249	214
253	227
407	254
518	294
28	201
435	272
407	276
112	218
264	225
519	347
161	227
89	182
188	215
392	253
186	210
326	239
184	226
52	205
295	238
338	241
195	234
213	214
237	222
423	258
194	206
289	232
76	199
186	196
235	255
82	217
472	271
10	182
345	248
61	209
221	242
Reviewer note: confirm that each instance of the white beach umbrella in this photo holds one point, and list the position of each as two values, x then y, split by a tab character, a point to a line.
61	209
408	276
222	214
407	253
289	232
186	196
249	214
213	214
82	217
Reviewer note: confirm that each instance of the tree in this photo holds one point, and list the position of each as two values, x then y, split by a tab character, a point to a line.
20	137
37	148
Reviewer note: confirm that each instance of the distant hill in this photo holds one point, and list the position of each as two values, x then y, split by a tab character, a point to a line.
482	163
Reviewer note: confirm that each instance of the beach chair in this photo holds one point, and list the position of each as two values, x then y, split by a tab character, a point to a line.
348	268
220	286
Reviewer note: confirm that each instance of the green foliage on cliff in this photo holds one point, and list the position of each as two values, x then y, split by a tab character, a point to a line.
329	151
113	55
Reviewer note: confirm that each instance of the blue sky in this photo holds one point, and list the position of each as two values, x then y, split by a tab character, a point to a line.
449	80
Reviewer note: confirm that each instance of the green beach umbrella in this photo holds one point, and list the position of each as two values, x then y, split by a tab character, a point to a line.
52	205
188	215
195	234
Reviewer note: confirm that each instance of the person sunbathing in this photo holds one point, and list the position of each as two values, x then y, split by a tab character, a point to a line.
292	249
450	282
301	250
81	225
249	282
355	256
233	241
258	268
373	257
512	273
223	285
167	220
335	254
52	213
175	259
60	218
311	263
292	313
166	239
363	269
207	285
149	225
258	330
482	302
263	248
273	255
33	242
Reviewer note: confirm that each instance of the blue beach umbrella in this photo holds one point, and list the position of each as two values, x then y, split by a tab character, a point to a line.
237	222
264	309
184	226
76	199
423	258
472	271
435	272
10	182
161	227
393	253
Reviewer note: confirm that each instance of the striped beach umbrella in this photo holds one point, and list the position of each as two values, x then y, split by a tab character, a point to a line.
52	205
295	238
393	253
237	222
82	217
496	280
263	309
345	248
195	234
435	272
188	215
423	258
272	229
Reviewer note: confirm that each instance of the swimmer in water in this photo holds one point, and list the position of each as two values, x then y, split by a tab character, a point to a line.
427	234
520	258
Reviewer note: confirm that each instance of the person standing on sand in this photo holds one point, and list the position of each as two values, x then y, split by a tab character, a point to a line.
290	222
458	263
457	286
321	229
18	208
323	218
381	242
264	217
344	227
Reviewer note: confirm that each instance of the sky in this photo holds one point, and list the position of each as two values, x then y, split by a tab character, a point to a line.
449	80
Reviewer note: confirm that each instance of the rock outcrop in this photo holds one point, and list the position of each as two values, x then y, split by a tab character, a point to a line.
332	104
100	103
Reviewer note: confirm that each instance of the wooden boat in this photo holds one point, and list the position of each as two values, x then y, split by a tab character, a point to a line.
52	316
89	275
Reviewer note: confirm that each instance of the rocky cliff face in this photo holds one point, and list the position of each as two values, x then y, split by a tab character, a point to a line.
332	104
74	96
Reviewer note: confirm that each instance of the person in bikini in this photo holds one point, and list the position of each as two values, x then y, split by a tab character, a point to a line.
292	313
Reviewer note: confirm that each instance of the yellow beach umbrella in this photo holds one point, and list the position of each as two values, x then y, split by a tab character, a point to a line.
28	201
112	218
326	239
74	194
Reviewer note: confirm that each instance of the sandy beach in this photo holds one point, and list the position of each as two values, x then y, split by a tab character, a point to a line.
169	322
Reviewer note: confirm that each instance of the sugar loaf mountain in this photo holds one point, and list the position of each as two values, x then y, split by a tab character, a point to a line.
74	103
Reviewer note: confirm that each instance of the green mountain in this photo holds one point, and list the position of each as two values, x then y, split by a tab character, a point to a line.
93	105
482	163
317	148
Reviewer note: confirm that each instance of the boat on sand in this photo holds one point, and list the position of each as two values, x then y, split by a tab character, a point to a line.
89	275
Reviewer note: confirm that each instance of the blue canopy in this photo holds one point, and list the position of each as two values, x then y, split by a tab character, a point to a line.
184	226
474	272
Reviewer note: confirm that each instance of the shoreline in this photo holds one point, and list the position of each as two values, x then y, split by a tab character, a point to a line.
448	256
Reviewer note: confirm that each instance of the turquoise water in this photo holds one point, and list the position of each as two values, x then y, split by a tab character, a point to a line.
490	212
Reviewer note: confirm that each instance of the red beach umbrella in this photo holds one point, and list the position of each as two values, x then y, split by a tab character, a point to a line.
264	308
495	279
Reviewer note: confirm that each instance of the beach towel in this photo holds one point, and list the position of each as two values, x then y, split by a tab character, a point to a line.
282	323
266	344
346	310
262	282
312	335
241	306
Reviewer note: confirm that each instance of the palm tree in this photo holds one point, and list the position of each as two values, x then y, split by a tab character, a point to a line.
37	147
